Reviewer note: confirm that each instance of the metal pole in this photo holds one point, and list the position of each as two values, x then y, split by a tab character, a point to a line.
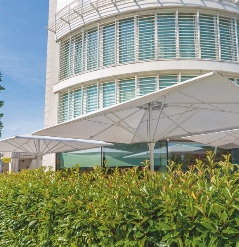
38	157
151	144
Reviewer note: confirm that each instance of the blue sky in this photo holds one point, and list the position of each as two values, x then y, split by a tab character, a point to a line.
23	43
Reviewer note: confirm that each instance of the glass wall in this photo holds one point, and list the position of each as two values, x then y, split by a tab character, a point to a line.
151	37
109	45
87	98
186	25
128	155
186	153
126	41
166	35
208	37
146	37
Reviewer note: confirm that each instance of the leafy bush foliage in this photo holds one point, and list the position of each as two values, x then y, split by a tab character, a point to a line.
130	207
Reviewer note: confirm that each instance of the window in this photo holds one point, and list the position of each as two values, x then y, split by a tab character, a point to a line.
91	97
126	41
109	45
186	36
208	36
78	55
226	32
167	81
92	49
77	103
64	59
166	35
147	85
108	94
127	89
63	107
146	38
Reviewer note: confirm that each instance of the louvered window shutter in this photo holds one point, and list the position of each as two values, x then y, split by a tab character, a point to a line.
166	35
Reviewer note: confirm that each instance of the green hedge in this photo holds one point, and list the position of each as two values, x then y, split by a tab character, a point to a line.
121	207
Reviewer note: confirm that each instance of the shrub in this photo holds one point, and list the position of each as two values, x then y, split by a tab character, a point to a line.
129	207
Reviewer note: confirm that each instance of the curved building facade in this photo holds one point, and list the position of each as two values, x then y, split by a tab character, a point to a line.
105	52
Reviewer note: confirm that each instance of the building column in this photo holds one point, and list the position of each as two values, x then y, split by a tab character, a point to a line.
13	165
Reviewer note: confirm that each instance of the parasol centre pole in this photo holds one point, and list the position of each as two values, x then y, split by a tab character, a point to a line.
38	157
151	144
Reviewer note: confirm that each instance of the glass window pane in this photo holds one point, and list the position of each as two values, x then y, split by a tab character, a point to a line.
208	36
146	38
92	49
126	41
108	94
77	103
63	107
167	81
78	55
147	85
64	59
225	25
127	89
109	45
186	36
71	105
91	98
237	49
166	35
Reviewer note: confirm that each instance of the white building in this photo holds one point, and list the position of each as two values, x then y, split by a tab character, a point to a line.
105	52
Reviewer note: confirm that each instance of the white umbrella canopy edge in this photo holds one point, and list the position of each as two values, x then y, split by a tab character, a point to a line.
227	139
180	110
42	145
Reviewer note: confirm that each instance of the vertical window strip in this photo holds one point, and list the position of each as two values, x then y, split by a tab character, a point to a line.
237	41
71	105
126	41
77	103
186	25
146	37
109	45
71	56
108	94
208	36
78	55
90	98
166	35
126	89
167	81
226	38
147	85
63	107
92	49
64	59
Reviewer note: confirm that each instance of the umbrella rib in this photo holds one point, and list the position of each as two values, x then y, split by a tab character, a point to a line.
114	123
30	148
130	130
178	125
46	146
16	145
140	122
229	134
161	109
208	103
53	148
